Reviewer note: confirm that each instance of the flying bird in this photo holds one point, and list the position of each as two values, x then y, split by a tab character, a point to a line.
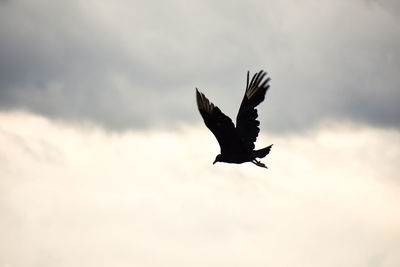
237	143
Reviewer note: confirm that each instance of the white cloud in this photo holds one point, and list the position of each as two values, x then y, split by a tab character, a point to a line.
79	196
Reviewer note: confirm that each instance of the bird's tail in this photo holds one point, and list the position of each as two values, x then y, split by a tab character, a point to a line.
262	152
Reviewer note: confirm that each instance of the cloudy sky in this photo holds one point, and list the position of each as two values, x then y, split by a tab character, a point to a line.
105	160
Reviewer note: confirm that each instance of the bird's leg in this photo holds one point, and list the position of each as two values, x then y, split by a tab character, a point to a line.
259	163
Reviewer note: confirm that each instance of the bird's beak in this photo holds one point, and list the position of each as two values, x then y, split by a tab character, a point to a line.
215	161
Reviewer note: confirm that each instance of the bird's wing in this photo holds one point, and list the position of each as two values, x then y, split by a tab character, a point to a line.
246	120
219	124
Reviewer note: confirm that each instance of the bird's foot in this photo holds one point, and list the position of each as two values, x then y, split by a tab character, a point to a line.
259	163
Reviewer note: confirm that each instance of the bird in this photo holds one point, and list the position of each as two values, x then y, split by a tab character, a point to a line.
237	143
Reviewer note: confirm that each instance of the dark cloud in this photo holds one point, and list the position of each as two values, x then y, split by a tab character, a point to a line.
126	64
392	6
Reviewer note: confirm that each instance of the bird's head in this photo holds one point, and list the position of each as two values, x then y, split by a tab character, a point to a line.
217	159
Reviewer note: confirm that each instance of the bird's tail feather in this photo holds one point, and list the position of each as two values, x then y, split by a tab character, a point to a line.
260	153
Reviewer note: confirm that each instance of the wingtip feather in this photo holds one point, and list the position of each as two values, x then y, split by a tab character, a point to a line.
203	103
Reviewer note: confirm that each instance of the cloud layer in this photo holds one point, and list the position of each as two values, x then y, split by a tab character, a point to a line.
83	197
126	64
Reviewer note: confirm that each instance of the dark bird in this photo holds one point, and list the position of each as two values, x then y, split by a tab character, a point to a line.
237	143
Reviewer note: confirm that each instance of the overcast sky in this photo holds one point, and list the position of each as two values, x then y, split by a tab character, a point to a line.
73	196
105	160
128	64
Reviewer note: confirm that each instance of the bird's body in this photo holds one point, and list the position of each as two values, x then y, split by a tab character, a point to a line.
237	143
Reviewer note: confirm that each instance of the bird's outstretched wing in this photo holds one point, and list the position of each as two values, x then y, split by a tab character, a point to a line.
246	120
219	124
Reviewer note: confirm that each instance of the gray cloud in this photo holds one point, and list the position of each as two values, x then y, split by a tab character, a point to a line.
392	6
128	64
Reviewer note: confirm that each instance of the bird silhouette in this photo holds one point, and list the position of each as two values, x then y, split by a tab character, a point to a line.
237	143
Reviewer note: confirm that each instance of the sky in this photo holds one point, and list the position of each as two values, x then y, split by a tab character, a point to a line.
105	159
